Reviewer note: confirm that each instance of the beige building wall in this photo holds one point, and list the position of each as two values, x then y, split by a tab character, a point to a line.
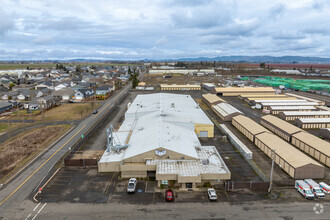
141	158
205	127
109	167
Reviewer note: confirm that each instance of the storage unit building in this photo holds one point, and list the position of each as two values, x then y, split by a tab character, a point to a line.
244	97
252	100
313	122
209	86
236	91
211	99
226	111
248	127
275	110
278	101
280	127
323	108
294	162
312	145
306	98
291	116
180	87
267	105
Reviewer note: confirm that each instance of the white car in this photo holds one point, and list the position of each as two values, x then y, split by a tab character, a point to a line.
131	185
212	194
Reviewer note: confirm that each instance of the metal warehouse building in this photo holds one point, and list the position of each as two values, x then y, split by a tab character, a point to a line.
226	111
282	128
208	86
248	127
291	160
253	100
279	101
211	99
275	110
245	97
323	108
312	145
180	87
306	98
291	116
159	138
313	122
236	91
267	105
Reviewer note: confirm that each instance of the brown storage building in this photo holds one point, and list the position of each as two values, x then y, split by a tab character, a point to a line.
248	127
246	97
211	99
282	128
313	122
236	91
312	145
291	160
325	133
291	116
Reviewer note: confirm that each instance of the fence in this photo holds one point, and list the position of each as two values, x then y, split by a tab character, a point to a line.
255	186
68	159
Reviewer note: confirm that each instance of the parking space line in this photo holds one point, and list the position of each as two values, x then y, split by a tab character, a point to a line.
153	198
28	216
36	206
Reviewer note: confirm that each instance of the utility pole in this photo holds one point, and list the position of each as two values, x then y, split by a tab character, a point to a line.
271	172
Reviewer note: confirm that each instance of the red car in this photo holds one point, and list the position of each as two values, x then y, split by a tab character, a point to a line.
169	195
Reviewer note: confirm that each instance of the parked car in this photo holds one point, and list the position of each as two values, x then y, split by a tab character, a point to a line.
212	194
131	185
169	195
95	112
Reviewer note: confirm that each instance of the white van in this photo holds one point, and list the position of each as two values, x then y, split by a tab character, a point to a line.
304	189
325	187
316	189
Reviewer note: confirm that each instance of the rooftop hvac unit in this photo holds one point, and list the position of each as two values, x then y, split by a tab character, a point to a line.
205	161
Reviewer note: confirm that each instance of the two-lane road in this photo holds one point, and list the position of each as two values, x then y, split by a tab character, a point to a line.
15	192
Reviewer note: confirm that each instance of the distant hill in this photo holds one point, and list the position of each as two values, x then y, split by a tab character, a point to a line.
256	59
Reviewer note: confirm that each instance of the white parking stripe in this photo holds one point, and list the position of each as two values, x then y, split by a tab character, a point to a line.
36	206
28	216
39	211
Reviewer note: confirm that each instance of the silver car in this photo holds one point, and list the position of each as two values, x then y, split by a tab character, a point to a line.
212	194
131	185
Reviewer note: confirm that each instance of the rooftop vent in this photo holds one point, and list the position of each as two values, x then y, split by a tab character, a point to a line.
172	105
205	161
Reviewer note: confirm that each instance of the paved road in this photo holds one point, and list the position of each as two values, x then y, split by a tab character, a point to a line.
206	210
15	192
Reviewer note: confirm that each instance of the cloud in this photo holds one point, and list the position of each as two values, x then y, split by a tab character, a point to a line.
128	29
276	11
6	22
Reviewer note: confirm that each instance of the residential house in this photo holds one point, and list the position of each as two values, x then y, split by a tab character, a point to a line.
103	90
4	106
84	94
32	105
46	102
63	94
43	85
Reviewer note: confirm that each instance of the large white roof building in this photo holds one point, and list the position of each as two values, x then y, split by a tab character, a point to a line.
160	130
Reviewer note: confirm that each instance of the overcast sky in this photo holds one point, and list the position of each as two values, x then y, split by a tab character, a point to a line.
155	29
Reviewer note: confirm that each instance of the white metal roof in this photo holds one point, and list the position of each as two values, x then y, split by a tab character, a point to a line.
301	113
214	164
314	120
160	120
226	109
280	101
289	104
292	107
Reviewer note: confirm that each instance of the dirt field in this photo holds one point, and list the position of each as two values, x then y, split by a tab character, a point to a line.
69	111
15	152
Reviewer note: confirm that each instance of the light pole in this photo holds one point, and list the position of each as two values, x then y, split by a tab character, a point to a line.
271	172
